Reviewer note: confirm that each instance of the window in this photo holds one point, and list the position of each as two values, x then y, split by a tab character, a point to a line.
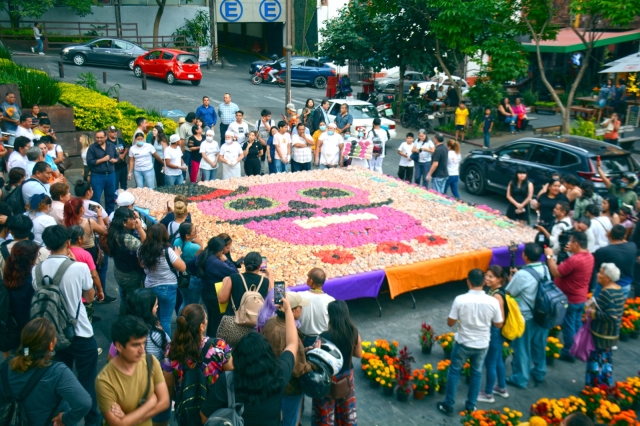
187	59
618	164
102	44
335	109
568	159
363	111
544	155
515	152
167	56
297	62
151	56
312	63
119	44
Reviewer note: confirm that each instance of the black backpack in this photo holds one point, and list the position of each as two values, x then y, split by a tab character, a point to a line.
193	393
174	236
551	303
12	409
15	200
9	330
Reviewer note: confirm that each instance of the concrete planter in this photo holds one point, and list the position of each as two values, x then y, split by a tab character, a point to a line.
61	118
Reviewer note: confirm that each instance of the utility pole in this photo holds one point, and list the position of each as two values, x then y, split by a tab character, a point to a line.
288	48
213	29
116	5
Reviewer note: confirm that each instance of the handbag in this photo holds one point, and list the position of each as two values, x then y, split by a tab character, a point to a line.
231	332
66	162
340	389
583	342
100	253
183	277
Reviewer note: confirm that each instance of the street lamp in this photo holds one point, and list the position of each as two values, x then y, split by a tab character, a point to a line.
288	48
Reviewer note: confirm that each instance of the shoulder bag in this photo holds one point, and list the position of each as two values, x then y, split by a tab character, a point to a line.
145	396
66	161
183	277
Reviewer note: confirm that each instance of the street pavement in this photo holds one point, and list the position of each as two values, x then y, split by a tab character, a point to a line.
399	320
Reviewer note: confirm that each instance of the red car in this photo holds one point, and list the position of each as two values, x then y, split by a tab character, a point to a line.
170	64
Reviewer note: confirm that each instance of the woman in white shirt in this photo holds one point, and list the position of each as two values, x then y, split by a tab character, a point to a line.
160	143
453	167
209	150
39	209
173	164
85	141
424	147
230	156
141	155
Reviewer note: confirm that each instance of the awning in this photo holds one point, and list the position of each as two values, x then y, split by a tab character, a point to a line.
623	67
633	58
567	41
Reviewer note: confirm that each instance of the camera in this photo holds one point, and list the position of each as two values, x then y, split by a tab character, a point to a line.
563	240
513	250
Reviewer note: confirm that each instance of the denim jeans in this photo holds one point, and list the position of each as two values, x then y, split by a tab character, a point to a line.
494	363
420	173
102	273
459	356
570	326
300	167
511	121
291	409
208	174
104	183
192	293
281	167
452	182
173	180
487	139
38	46
530	347
166	303
145	179
439	184
186	157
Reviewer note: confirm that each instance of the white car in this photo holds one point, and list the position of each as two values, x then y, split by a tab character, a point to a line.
443	81
363	114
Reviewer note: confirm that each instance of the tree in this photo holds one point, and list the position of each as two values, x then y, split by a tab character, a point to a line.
156	23
196	30
540	18
18	9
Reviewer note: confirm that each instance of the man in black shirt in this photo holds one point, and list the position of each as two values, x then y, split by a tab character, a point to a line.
438	174
123	150
622	254
432	97
101	159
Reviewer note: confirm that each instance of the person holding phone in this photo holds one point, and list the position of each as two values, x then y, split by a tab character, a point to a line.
233	285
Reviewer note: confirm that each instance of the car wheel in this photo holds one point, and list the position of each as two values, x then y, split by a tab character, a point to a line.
137	71
196	82
131	62
320	82
171	79
79	59
474	181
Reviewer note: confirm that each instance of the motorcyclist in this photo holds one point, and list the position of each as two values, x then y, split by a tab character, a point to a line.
276	67
344	84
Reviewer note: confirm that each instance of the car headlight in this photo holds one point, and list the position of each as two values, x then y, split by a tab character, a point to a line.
66	50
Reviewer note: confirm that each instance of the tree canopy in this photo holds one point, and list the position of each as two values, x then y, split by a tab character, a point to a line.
19	9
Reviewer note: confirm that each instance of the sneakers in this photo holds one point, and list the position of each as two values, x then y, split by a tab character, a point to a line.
614	348
567	358
447	411
107	300
501	392
41	53
483	397
33	50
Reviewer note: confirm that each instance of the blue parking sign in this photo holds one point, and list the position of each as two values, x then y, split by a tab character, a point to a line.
231	10
270	10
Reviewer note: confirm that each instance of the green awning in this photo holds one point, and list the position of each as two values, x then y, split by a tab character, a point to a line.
567	41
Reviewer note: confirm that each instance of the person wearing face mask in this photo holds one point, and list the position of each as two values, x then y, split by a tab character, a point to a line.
359	160
322	129
39	210
209	150
329	148
141	156
173	162
230	156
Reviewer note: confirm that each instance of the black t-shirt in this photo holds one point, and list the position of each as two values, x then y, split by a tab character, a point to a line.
441	155
254	150
195	155
432	94
346	351
547	205
622	255
267	413
452	97
120	147
237	288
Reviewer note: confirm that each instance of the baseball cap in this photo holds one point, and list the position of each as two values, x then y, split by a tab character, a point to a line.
296	300
125	199
159	124
174	138
181	120
292	107
112	128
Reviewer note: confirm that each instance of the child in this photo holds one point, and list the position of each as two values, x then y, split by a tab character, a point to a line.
405	171
487	126
462	120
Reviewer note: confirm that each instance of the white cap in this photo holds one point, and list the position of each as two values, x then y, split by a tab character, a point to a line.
332	125
210	132
229	134
292	107
174	138
125	199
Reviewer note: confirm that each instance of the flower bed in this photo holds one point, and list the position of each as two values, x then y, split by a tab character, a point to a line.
346	221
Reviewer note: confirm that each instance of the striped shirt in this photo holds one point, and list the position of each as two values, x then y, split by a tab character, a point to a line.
608	316
227	113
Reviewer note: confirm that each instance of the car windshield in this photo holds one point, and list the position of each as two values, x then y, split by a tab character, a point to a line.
395	74
618	164
363	111
187	59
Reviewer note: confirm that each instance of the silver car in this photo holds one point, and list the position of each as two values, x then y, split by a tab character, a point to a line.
389	83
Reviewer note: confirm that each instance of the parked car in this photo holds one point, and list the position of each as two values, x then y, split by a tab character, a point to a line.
443	80
492	169
310	71
363	114
169	64
103	51
389	83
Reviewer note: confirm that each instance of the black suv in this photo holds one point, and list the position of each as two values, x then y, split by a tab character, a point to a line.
492	169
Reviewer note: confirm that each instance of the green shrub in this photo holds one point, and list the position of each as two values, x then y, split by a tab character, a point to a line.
529	97
486	94
585	128
546	104
36	86
5	53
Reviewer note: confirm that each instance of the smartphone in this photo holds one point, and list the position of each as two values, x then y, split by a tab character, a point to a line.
263	266
597	158
278	292
94	207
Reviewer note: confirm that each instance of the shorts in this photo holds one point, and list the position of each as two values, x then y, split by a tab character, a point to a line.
461	128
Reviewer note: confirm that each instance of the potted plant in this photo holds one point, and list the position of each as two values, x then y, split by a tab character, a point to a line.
373	371
553	349
383	347
466	371
626	328
446	343
388	379
490	417
403	379
443	371
634	318
555	331
427	335
421	383
623	394
592	397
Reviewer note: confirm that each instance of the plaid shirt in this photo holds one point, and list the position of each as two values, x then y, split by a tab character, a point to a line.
300	155
227	113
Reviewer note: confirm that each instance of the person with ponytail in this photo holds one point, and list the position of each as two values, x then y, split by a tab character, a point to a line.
57	397
74	215
495	278
191	246
180	216
191	348
212	266
76	238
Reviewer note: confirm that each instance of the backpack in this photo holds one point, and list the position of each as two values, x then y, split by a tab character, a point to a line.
193	393
345	82
12	409
15	200
250	304
514	323
385	144
173	236
232	415
551	303
9	329
48	302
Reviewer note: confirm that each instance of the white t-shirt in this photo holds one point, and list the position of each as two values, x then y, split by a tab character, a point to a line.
90	214
83	155
330	149
143	157
41	222
475	312
74	281
17	160
231	151
600	226
29	169
239	130
281	141
382	135
161	274
406	149
53	153
211	149
33	187
424	156
21	131
315	317
262	129
173	156
453	163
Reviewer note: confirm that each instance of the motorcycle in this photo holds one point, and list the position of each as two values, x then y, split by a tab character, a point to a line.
414	117
262	74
